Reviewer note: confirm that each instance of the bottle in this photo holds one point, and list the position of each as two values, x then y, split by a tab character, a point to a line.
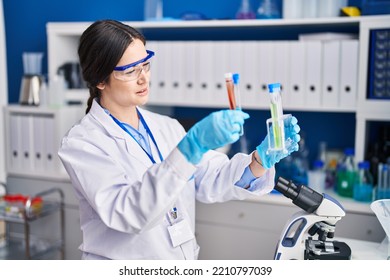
245	11
363	186
153	10
268	9
346	173
300	164
316	177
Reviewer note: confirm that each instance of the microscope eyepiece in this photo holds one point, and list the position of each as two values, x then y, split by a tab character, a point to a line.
302	196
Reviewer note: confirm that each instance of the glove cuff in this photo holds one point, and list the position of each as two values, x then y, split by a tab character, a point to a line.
190	150
263	157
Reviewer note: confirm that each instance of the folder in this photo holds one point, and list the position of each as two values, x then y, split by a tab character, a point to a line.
266	54
153	84
190	73
38	143
250	96
221	66
163	71
313	73
26	136
175	85
281	70
51	144
15	152
330	74
349	55
296	84
205	74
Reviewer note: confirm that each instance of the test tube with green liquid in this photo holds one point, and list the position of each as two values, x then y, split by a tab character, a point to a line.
277	118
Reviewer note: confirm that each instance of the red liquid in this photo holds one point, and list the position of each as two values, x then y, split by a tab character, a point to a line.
230	91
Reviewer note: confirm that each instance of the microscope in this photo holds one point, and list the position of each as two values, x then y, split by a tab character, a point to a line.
307	233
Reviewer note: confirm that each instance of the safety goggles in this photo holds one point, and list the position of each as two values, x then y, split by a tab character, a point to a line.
132	71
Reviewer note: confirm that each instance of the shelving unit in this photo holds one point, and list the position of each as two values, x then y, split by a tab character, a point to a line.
25	245
63	41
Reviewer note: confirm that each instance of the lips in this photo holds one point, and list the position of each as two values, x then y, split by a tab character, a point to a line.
142	92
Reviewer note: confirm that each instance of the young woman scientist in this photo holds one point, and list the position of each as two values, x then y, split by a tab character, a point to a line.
136	173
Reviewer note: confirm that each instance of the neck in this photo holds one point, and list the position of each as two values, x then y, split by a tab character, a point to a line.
127	115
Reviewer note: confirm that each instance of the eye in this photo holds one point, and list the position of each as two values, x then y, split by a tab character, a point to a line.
129	71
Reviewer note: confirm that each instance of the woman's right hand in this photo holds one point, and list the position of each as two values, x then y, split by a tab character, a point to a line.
214	131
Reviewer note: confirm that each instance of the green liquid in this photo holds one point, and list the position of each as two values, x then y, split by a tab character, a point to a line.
276	129
345	182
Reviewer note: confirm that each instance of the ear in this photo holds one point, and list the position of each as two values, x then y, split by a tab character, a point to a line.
101	85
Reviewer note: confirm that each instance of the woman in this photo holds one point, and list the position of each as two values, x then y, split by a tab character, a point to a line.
136	173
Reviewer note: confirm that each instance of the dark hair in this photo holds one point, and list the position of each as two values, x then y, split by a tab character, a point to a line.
101	47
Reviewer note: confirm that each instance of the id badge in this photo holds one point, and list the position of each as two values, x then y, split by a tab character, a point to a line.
180	233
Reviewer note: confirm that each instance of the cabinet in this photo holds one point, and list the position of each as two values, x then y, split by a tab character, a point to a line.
26	245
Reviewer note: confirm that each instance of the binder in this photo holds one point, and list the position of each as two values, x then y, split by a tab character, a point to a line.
250	96
154	74
330	74
26	136
175	85
15	153
51	145
163	71
190	73
38	143
221	66
205	74
281	70
349	55
313	73
296	85
266	53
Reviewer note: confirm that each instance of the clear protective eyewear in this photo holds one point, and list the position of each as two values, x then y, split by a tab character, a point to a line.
132	71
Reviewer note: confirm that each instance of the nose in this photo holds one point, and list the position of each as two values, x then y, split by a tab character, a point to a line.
142	76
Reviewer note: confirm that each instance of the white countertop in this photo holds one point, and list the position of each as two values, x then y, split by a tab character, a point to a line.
366	250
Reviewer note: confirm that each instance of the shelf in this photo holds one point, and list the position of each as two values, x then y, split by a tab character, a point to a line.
73	28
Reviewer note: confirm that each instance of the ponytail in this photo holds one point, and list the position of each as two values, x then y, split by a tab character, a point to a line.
93	92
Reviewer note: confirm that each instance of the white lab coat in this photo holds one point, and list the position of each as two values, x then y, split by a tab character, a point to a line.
124	199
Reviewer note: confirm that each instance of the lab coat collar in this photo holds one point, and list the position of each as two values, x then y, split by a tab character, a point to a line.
132	147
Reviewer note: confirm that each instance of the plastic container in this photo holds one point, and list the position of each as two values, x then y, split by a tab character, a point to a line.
363	187
346	173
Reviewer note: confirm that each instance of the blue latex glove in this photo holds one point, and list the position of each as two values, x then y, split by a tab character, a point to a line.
214	131
291	130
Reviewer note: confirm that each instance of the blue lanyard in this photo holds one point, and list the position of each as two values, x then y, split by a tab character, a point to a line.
147	131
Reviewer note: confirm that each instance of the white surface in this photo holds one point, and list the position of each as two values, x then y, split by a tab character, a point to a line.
365	250
3	92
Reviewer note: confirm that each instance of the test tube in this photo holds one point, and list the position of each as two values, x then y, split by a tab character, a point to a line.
277	119
230	90
237	93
